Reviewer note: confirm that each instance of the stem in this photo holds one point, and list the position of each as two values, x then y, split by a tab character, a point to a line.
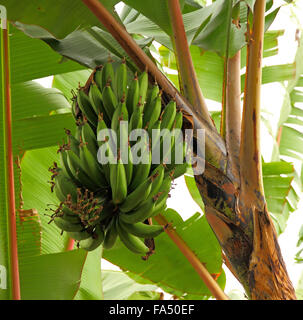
190	84
233	117
250	155
10	185
215	146
209	281
70	244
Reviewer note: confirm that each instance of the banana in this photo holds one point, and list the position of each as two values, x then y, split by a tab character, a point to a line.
110	101
86	107
129	167
178	170
89	138
94	241
78	172
118	182
142	230
79	235
78	132
136	119
108	75
136	197
168	115
141	213
110	235
143	86
68	216
65	167
141	172
73	142
65	185
91	167
133	243
133	95
96	100
98	78
120	114
157	177
160	207
152	94
152	112
67	226
121	80
178	120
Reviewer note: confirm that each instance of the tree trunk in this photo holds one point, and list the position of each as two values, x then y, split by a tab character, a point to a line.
250	244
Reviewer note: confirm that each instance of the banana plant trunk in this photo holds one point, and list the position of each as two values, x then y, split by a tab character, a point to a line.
247	237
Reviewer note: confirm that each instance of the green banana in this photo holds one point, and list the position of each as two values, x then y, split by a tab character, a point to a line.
65	185
178	120
136	119
129	167
136	197
91	167
110	101
86	107
143	86
98	78
157	177
89	138
67	226
133	243
73	142
142	230
78	132
108	75
118	182
141	213
121	80
178	170
152	94
152	112
141	172
94	241
96	99
68	216
76	167
133	95
79	235
168	115
65	167
110	235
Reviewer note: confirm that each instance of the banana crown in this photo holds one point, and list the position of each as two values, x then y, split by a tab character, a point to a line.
105	193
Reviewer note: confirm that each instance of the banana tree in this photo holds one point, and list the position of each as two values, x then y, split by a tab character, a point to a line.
245	200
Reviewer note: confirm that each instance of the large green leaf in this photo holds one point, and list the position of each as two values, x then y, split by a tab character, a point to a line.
52	276
91	282
32	59
118	286
60	18
36	195
67	82
168	268
155	10
90	47
281	197
216	33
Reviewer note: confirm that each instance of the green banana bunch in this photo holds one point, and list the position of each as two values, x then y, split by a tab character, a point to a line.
101	201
